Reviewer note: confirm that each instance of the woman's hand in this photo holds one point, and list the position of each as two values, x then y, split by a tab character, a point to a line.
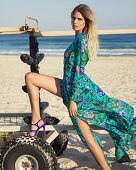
73	108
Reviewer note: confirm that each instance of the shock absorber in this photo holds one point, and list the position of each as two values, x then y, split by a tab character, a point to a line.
33	60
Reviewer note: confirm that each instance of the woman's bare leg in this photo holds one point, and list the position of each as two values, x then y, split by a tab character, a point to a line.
52	84
33	82
93	145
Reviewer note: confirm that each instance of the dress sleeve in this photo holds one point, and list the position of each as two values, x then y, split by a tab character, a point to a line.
78	69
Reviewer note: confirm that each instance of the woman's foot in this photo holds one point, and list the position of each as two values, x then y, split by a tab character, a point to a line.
35	126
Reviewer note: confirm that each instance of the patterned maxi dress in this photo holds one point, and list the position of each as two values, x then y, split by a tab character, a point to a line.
93	105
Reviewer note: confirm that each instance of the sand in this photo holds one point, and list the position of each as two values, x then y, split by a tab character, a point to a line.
117	77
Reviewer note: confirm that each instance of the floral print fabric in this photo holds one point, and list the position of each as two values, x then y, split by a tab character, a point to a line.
94	106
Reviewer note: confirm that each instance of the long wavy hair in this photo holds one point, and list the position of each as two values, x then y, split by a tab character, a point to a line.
91	32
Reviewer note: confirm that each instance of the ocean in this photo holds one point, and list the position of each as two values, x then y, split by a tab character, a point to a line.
110	45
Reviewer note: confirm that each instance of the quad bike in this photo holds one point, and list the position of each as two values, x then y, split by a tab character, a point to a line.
35	153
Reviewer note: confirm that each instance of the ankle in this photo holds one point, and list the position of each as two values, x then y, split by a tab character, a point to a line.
35	120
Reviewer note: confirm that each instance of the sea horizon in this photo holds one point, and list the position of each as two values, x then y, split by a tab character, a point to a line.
110	45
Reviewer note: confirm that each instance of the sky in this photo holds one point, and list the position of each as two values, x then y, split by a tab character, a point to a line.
54	15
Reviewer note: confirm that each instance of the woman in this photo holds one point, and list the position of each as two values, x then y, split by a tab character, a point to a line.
85	101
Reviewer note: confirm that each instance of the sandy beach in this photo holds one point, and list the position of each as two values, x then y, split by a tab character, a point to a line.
117	77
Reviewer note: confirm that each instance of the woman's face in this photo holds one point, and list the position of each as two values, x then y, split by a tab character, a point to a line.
78	22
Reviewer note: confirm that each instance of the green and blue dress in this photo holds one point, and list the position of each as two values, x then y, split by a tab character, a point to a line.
94	106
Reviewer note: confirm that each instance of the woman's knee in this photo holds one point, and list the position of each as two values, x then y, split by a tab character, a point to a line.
29	76
85	129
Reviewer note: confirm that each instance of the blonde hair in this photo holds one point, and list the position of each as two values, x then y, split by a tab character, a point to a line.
91	31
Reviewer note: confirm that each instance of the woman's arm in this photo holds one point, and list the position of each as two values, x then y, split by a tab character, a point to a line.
76	86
